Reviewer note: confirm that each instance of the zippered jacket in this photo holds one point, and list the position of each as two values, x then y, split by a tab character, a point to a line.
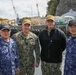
52	46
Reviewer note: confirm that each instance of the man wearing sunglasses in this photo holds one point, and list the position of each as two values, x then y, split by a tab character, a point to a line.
53	43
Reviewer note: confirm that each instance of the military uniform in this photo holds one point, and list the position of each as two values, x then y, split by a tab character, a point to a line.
27	45
70	60
50	68
9	59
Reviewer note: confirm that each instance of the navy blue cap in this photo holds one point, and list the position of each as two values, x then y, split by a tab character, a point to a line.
3	27
72	22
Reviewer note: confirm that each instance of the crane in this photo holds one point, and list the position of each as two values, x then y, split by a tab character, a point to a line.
16	14
37	9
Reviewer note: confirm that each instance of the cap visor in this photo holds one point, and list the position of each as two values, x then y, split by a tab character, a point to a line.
5	29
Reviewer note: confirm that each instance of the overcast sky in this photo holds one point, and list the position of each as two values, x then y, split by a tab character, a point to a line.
24	8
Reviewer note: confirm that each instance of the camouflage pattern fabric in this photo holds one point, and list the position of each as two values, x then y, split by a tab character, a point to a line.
50	68
27	46
9	59
70	58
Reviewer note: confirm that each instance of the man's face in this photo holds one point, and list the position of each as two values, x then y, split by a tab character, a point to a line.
72	30
5	33
50	24
26	28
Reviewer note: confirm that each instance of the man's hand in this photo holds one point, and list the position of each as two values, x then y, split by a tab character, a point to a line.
36	65
17	71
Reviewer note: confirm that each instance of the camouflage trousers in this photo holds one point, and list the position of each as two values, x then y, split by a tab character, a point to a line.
27	70
50	68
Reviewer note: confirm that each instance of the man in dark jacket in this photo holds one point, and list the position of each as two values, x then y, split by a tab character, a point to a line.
53	43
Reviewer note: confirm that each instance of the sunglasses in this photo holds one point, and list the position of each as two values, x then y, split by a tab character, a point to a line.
50	21
27	24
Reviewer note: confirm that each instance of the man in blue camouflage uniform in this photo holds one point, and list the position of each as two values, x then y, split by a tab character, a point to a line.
70	60
28	43
9	59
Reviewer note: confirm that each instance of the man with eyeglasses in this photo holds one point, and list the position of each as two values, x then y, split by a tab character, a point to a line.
53	43
27	42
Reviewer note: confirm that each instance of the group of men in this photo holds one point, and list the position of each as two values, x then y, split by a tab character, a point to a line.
17	53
